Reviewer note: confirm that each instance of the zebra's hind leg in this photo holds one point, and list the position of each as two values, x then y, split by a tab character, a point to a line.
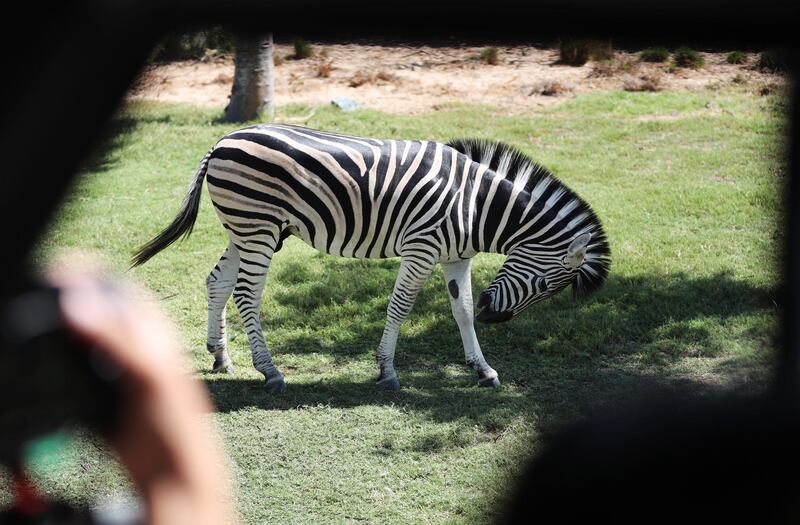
219	285
412	275
255	255
457	275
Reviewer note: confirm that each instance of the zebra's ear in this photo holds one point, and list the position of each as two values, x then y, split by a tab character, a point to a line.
577	248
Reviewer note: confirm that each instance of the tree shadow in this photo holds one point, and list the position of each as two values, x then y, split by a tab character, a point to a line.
105	152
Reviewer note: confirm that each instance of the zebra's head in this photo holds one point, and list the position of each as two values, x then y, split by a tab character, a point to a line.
534	272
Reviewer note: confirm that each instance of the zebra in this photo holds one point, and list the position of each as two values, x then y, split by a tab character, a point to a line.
426	202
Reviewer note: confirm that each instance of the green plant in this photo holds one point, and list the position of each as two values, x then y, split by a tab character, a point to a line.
490	55
302	49
773	60
573	52
736	57
687	57
578	51
654	54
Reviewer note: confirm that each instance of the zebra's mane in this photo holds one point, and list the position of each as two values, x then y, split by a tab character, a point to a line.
526	174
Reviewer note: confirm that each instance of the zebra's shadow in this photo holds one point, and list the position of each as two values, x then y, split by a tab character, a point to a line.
339	308
557	355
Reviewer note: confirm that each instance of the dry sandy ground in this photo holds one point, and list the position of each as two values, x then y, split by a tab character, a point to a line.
409	80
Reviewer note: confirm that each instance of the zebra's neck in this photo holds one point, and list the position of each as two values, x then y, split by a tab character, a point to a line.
515	200
507	214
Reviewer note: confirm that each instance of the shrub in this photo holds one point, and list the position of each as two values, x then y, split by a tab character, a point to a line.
647	82
610	68
654	54
603	70
738	79
361	77
324	69
549	88
736	57
195	45
573	52
770	88
773	60
628	65
490	55
578	51
687	57
383	76
765	90
302	49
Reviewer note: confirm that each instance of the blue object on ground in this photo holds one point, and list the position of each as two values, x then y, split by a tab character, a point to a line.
345	104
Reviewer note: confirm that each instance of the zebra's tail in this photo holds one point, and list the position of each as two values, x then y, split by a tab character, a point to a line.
181	226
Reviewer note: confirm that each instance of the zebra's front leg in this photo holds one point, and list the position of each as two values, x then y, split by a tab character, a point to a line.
457	275
219	284
412	275
254	262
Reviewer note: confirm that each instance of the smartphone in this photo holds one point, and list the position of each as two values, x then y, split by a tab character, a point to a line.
49	379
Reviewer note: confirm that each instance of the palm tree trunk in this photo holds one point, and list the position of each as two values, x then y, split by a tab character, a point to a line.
253	91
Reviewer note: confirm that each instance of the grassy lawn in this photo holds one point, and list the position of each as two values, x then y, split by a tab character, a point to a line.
689	188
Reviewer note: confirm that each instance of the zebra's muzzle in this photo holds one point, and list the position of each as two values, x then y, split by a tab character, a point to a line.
489	316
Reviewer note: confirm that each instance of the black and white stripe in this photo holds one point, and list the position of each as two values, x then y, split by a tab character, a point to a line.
426	202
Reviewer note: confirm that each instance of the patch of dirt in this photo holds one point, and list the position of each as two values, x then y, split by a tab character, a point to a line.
412	80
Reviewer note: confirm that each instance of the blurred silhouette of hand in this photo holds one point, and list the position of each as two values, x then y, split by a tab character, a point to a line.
162	439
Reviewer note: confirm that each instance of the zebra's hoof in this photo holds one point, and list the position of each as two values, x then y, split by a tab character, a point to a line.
223	367
389	383
492	382
276	384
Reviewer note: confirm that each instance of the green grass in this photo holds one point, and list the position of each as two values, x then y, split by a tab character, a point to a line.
690	198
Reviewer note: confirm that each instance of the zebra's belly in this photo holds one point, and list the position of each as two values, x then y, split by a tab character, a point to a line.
352	246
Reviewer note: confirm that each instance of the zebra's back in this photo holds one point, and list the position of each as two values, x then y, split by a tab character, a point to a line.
348	196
